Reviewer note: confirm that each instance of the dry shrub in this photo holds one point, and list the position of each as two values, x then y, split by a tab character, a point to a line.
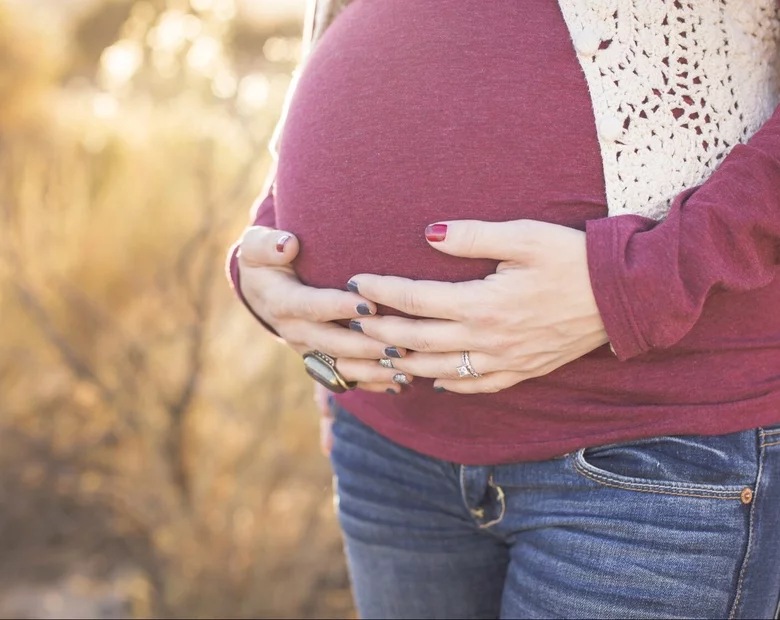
147	425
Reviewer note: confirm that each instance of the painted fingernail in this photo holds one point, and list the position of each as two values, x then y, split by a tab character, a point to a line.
355	326
364	310
436	232
393	352
282	242
400	378
391	391
352	286
439	389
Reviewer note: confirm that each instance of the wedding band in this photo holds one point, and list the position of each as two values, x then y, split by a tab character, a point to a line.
322	368
386	362
466	369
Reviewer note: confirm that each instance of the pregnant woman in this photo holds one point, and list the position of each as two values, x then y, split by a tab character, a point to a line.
533	249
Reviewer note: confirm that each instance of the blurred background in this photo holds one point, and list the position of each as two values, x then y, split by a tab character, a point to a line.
158	452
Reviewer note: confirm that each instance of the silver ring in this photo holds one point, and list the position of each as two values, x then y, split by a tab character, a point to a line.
466	369
386	362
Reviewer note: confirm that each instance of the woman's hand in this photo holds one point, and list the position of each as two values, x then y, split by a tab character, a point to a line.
535	314
302	315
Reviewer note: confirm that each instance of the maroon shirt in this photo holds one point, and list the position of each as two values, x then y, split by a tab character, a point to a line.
414	112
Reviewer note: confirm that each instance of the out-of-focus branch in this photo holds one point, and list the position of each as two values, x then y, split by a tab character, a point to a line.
77	364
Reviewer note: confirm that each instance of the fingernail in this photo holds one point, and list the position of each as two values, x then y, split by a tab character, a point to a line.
391	391
436	232
393	352
400	378
364	310
352	286
355	326
282	242
439	389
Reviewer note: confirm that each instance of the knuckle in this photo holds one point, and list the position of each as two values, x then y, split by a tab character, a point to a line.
470	240
251	245
485	313
308	310
482	315
271	315
275	307
493	342
420	343
411	302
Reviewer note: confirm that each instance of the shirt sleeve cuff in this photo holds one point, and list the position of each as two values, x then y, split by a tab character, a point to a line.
625	337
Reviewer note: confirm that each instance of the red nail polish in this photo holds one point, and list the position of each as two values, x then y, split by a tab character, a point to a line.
436	232
282	242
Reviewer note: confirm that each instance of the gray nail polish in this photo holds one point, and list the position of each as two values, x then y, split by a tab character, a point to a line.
400	378
439	389
391	391
355	326
352	286
363	310
393	352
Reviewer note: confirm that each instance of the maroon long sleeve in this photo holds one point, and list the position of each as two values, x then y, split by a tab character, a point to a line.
410	113
652	280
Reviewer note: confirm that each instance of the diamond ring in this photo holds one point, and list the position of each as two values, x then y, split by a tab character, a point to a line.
466	369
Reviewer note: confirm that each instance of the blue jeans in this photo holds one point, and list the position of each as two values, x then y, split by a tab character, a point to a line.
668	527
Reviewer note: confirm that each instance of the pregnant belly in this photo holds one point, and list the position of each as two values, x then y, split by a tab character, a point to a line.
410	112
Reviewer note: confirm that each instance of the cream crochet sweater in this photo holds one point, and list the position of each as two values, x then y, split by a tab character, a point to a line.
675	84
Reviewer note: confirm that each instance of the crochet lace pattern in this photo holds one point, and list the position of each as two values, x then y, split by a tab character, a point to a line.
675	85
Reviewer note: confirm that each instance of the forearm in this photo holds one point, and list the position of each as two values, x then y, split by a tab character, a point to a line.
652	280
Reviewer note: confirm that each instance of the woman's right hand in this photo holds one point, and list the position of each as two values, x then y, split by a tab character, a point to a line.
303	315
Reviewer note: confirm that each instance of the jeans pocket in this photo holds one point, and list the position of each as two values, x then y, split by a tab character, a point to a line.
718	467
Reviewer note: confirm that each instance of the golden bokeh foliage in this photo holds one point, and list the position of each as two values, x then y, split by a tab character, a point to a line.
158	451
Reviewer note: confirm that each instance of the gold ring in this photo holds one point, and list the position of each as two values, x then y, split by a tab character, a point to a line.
322	368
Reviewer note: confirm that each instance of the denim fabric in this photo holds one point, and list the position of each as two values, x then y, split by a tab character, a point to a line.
670	527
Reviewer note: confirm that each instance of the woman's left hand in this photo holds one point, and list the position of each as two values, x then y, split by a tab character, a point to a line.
535	314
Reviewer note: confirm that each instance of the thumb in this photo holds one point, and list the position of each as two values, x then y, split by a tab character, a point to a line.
503	241
261	246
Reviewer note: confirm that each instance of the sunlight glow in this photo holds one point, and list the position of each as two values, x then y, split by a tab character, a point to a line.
105	106
205	56
253	93
120	62
225	84
170	33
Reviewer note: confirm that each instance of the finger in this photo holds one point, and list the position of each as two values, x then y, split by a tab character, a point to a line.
335	340
322	399
425	335
388	388
370	371
446	365
516	240
261	246
487	384
423	298
326	435
285	297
